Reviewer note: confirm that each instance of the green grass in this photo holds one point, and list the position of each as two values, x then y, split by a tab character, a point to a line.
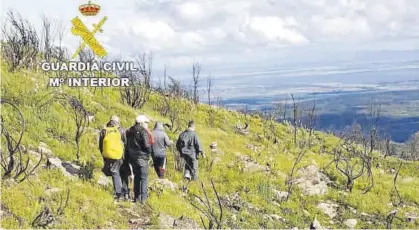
91	206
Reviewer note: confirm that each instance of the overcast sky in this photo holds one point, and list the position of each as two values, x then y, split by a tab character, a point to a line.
238	34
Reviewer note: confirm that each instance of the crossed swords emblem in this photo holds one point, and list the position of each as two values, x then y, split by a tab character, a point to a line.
79	29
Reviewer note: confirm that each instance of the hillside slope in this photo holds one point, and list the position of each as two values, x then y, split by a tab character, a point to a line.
249	171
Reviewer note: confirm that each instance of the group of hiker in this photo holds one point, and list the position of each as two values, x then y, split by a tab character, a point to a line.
127	152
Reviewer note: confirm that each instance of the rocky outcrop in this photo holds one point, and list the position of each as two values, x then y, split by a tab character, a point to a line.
274	218
279	195
214	147
236	203
328	208
104	181
163	184
412	217
350	223
315	224
169	222
69	170
250	165
311	181
43	148
50	191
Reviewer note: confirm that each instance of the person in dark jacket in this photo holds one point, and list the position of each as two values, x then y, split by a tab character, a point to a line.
161	141
111	166
126	173
139	149
189	147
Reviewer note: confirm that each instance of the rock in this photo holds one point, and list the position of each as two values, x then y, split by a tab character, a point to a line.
235	203
43	148
252	147
267	217
234	217
109	224
350	223
328	209
166	221
139	221
216	160
407	180
276	217
185	223
279	195
68	169
159	184
243	157
250	165
315	224
213	147
242	130
353	210
50	191
411	217
129	212
104	181
311	181
91	118
254	167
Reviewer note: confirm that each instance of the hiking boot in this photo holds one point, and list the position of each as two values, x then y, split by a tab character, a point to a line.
118	196
126	197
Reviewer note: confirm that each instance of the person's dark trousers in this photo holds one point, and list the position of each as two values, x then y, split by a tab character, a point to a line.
140	167
114	168
125	174
191	167
159	165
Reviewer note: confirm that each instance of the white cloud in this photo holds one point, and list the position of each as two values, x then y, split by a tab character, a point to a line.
341	27
190	11
274	29
180	30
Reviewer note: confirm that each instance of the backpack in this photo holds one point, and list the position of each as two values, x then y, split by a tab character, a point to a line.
113	147
150	137
184	141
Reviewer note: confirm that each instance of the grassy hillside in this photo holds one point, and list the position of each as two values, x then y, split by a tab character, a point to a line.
91	205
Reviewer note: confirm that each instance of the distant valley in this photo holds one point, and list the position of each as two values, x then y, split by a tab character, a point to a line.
342	94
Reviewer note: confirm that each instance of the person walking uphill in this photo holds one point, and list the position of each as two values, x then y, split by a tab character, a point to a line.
189	147
161	141
139	149
111	145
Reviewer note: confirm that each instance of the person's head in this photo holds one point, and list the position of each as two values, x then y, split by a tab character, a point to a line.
158	126
142	120
191	125
114	120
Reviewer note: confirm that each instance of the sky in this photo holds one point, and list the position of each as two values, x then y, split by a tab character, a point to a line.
241	36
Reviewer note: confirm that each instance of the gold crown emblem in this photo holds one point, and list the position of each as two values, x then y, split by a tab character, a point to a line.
89	9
